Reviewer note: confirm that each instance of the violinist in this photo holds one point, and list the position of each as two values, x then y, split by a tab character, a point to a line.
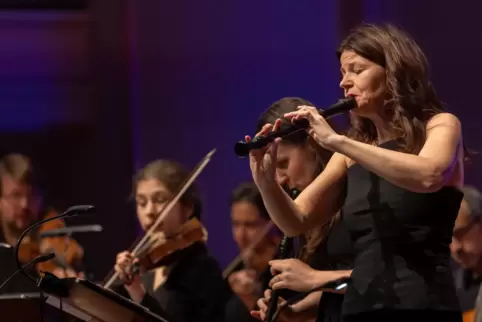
188	286
257	241
21	204
326	248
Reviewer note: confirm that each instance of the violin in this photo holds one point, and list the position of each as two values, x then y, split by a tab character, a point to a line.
69	253
155	249
161	250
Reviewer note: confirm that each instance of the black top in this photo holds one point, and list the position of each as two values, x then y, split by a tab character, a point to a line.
401	240
194	289
335	254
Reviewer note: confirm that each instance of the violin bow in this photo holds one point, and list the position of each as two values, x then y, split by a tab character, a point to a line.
259	237
167	208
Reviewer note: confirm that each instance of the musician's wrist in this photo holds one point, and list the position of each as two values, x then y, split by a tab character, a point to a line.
317	278
266	183
136	291
333	141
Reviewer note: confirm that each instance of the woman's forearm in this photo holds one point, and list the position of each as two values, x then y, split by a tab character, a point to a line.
309	302
281	208
412	172
320	278
136	292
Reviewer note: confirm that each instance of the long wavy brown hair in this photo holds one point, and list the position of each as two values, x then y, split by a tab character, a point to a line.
317	236
412	99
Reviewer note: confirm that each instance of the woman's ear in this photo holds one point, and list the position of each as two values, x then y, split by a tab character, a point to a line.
187	211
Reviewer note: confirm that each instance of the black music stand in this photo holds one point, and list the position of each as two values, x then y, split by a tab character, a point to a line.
98	304
27	307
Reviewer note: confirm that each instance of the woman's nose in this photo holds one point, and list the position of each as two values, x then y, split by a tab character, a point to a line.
151	210
346	83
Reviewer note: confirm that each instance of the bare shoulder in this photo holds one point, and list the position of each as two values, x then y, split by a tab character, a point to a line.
445	120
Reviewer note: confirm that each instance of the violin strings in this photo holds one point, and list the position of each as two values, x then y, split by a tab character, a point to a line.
149	243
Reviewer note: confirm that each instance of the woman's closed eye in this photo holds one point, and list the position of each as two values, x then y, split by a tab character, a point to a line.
358	71
141	202
282	163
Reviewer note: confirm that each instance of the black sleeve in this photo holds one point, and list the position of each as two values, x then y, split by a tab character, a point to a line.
201	296
212	292
151	303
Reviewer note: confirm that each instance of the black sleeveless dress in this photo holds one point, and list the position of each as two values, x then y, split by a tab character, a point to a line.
401	238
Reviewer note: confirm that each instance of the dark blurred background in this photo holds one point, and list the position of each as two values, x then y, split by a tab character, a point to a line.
92	91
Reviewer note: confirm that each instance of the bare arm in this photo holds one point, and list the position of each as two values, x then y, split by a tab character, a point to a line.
313	207
322	277
428	171
136	292
308	303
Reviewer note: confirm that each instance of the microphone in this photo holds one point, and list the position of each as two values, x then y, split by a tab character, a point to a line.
67	231
336	285
70	212
77	210
36	260
242	148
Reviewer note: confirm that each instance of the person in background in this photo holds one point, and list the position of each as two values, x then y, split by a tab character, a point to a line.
257	241
326	249
466	250
188	285
21	205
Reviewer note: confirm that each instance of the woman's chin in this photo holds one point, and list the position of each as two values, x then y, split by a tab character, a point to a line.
357	112
362	111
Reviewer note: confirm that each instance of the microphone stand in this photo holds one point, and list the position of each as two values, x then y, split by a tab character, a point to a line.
52	281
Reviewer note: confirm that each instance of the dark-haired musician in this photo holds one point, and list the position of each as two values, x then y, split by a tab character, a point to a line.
189	285
257	240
